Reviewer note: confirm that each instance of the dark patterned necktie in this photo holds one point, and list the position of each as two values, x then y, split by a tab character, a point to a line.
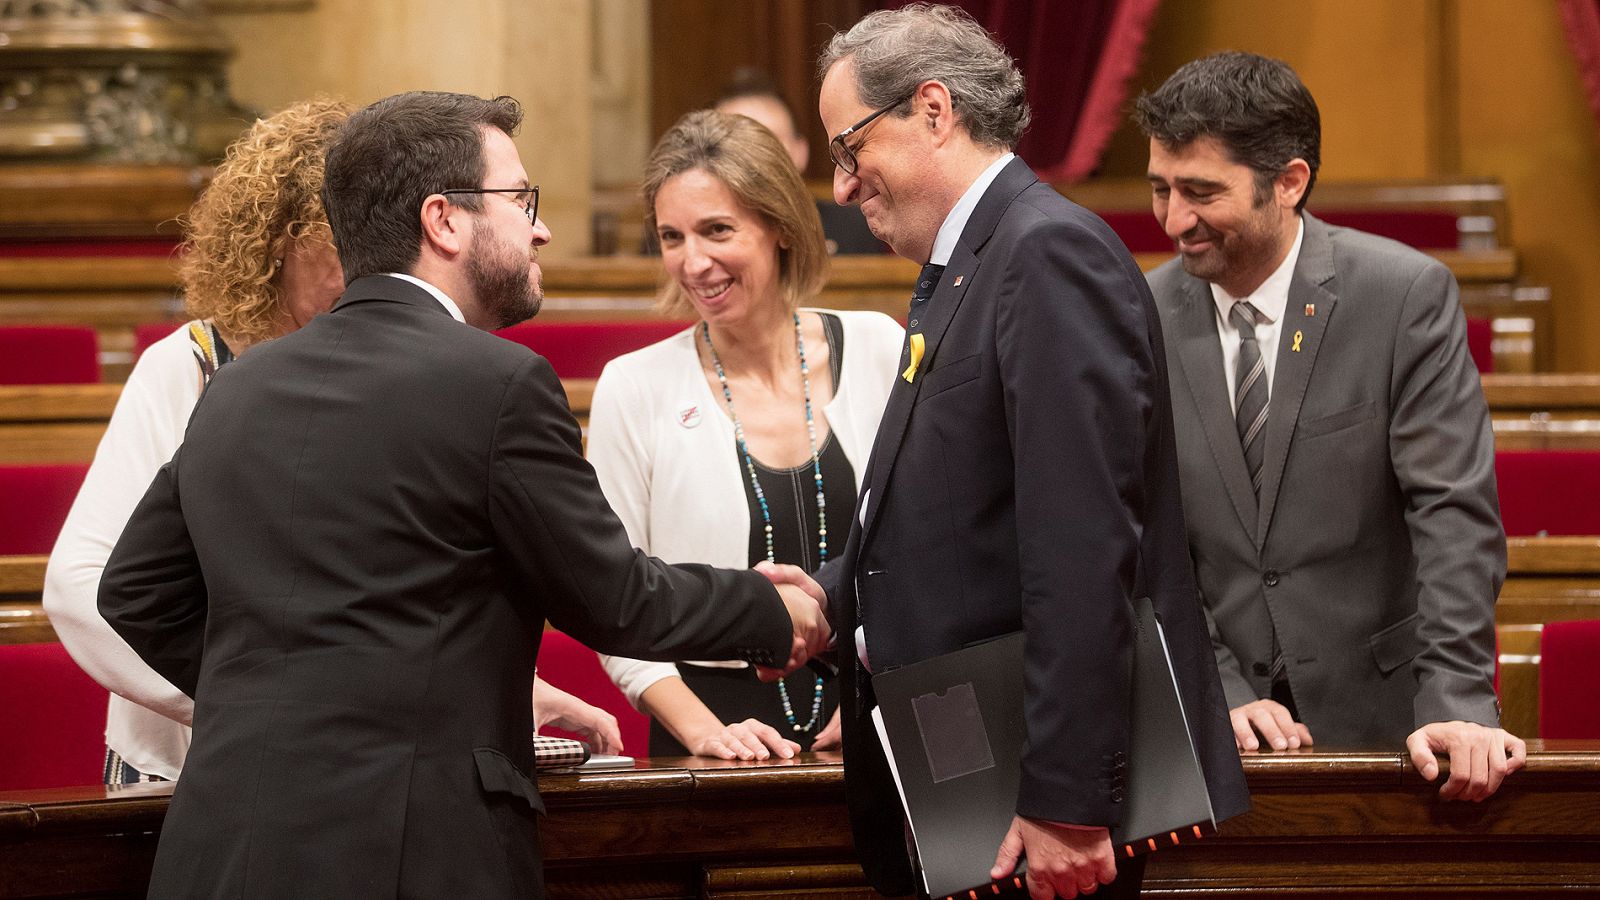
927	280
1250	408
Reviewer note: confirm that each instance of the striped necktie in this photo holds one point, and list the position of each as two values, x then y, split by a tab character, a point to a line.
1250	408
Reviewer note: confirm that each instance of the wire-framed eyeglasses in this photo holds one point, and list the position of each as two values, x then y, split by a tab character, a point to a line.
843	155
528	197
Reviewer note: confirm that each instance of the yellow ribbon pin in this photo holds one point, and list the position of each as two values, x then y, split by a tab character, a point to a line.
910	374
1298	335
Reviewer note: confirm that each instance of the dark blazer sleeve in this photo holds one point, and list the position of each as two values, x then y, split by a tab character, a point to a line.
1078	379
570	551
152	592
1442	450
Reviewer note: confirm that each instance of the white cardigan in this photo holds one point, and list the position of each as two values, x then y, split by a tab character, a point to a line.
144	722
663	448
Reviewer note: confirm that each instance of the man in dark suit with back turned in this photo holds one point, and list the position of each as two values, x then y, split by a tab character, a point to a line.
1024	476
349	562
1334	443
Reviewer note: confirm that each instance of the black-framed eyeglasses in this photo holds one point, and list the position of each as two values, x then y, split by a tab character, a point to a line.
528	197
843	156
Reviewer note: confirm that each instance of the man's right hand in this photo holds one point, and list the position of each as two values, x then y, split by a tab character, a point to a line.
783	573
1272	721
811	630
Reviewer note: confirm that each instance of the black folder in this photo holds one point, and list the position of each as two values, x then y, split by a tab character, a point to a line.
955	737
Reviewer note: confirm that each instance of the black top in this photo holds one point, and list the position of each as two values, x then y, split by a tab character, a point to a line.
792	493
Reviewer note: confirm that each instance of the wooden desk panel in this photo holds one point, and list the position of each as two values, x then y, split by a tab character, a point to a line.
1323	825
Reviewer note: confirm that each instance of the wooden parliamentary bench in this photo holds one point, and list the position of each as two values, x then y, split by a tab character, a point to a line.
1552	411
1323	824
93	245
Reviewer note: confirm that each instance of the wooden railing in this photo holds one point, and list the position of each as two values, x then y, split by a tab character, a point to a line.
1550	579
1323	824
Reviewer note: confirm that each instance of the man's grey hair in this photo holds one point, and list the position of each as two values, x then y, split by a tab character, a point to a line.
893	51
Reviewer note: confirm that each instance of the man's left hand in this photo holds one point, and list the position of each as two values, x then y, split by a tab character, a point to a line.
1480	757
1062	859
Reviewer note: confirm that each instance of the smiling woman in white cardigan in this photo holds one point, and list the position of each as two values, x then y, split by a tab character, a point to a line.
743	438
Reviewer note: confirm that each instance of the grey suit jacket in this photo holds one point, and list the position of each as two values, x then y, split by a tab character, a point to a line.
1376	547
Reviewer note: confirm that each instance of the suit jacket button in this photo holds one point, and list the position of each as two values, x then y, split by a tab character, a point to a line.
1270	578
1116	795
1260	669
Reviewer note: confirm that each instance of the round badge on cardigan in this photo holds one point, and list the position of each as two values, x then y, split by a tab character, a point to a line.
689	416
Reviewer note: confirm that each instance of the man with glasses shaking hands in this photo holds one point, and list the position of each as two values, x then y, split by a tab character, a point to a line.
349	563
1024	476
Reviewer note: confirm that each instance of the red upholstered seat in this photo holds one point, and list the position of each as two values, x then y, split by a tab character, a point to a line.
33	503
582	349
1547	491
54	720
1422	229
49	354
1569	680
1480	343
150	332
576	669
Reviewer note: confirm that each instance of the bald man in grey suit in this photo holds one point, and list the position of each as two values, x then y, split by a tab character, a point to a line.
1334	447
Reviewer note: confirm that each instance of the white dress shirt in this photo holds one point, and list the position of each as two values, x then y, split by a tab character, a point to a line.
443	298
944	243
1271	299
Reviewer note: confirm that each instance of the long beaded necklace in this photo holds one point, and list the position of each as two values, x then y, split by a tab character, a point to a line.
761	496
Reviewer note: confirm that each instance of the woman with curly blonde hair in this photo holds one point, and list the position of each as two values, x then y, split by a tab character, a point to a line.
258	263
258	257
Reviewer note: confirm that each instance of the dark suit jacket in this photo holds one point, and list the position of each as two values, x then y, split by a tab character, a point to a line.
1376	547
1027	480
846	230
348	565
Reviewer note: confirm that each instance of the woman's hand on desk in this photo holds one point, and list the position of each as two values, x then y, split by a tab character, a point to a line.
750	739
555	707
831	737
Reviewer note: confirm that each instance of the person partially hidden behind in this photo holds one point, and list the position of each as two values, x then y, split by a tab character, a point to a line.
752	95
349	562
1023	477
1336	457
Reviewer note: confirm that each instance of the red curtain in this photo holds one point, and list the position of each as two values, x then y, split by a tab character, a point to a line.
1078	57
1581	19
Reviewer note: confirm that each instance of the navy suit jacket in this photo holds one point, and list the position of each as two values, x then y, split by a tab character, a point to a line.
1026	479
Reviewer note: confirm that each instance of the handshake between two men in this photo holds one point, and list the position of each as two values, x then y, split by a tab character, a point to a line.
807	606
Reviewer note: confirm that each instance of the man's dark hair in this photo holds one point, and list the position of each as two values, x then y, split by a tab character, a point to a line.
391	155
749	81
1256	107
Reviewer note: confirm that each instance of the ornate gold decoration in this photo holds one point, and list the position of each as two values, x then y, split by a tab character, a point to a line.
113	81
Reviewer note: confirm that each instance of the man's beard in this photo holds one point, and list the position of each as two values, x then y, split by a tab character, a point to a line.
501	282
1251	245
